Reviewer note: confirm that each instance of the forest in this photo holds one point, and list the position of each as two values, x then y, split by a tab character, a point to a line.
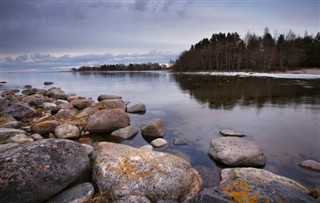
122	67
230	52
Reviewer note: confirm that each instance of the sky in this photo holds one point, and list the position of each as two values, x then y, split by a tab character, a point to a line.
65	34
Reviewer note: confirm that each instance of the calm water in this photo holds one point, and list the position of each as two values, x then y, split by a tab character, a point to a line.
281	116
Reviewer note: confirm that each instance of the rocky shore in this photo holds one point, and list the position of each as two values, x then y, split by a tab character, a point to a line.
42	158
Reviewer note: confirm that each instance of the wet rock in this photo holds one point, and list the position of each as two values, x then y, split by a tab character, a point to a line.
133	199
78	194
258	185
147	147
107	120
30	91
126	171
19	138
5	133
45	127
82	103
311	164
125	133
67	131
232	133
159	142
155	129
233	151
20	110
108	96
180	141
111	104
11	124
4	147
36	171
48	83
138	108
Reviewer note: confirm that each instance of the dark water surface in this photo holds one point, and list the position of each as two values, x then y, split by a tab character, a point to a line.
281	116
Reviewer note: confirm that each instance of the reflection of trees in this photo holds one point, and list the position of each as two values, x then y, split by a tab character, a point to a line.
226	92
120	75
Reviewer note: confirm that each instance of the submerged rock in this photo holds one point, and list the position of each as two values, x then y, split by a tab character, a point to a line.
35	171
311	164
155	129
107	120
232	133
138	108
180	141
233	151
48	83
125	133
126	171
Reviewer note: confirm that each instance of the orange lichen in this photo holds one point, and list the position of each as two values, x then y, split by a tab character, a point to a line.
241	192
130	170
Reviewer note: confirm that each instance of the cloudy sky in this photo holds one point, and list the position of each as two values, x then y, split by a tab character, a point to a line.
59	34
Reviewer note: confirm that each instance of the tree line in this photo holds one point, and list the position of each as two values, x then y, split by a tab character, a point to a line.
229	52
122	67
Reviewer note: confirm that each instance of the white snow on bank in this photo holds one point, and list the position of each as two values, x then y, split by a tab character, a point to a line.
271	75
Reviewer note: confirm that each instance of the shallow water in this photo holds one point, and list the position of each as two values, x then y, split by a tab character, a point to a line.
281	116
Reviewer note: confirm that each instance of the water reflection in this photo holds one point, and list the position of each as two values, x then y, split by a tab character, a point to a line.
225	92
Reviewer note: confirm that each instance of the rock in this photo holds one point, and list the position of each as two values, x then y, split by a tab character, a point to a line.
36	136
65	114
209	195
133	199
155	129
36	171
50	106
82	103
232	133
147	147
74	97
258	185
67	131
159	142
48	83
107	120
28	86
53	91
63	104
78	194
19	138
5	133
315	193
45	127
4	147
20	110
62	96
138	108
89	149
108	96
90	110
126	171
11	124
311	164
29	91
42	92
180	141
111	104
33	100
125	133
233	151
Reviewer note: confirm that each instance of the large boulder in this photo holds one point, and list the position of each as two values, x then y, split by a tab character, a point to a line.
111	104
107	120
126	171
45	127
67	131
36	171
258	185
233	151
154	129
